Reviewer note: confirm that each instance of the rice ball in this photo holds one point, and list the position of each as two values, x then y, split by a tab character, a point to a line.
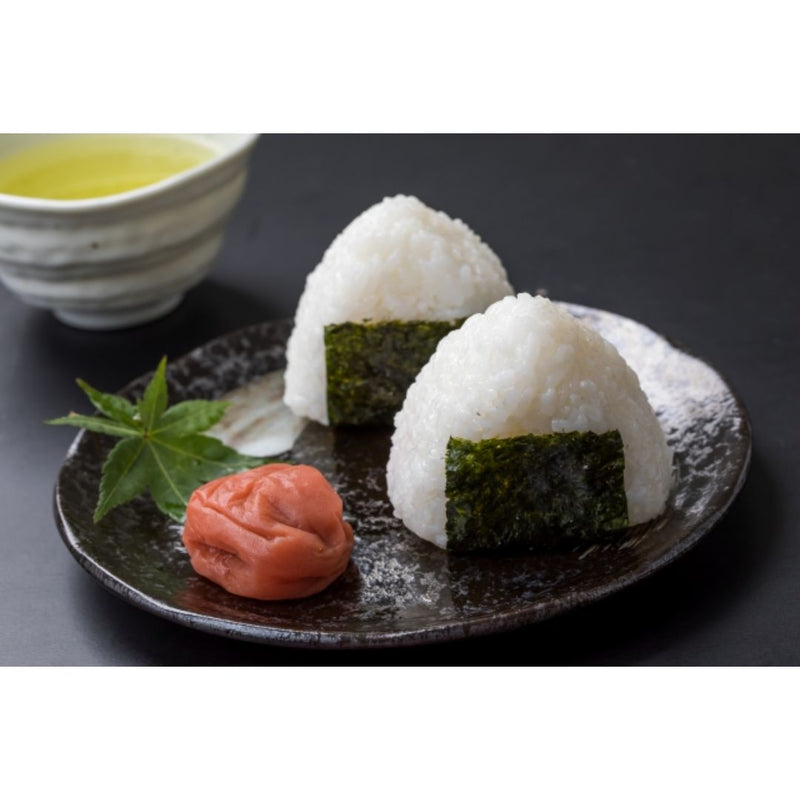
524	366
398	260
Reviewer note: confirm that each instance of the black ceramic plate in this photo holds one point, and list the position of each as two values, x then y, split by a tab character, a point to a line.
399	589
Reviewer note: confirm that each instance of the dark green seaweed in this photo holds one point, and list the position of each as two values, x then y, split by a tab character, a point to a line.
370	366
534	492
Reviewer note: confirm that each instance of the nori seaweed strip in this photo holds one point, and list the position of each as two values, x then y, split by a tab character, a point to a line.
534	492
370	366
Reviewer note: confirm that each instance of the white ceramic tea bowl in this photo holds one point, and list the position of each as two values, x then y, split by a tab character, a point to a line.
124	259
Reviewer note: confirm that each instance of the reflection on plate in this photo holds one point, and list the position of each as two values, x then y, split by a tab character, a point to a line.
399	589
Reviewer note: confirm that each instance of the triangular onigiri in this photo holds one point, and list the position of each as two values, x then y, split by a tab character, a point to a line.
524	366
398	260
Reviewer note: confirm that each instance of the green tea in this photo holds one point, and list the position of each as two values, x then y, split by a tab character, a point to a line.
96	165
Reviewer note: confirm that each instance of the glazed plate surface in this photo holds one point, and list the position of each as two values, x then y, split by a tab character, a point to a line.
398	589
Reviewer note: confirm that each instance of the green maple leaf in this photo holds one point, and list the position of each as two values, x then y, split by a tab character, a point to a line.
162	449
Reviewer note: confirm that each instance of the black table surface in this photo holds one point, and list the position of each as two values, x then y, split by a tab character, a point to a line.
695	236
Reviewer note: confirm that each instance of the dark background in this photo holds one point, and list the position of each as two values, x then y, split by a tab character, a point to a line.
696	236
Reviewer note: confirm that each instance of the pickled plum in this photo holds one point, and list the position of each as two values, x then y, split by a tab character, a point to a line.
272	533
